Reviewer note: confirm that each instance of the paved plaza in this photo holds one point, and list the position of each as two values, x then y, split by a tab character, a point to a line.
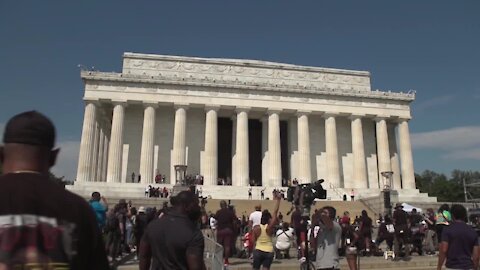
415	262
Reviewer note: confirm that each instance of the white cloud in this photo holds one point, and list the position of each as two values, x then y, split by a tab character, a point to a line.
456	143
472	153
433	102
67	160
452	138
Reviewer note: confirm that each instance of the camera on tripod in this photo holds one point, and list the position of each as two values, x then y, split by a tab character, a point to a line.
307	193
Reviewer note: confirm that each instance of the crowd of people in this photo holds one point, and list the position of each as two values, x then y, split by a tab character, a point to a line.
265	235
157	192
32	206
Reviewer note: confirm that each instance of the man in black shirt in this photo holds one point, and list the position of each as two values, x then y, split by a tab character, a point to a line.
226	225
43	225
402	230
430	220
459	244
174	241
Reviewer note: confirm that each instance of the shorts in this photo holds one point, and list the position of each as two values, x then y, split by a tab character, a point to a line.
262	258
225	237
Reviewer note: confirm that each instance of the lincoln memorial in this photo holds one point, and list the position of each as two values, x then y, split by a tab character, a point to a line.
243	121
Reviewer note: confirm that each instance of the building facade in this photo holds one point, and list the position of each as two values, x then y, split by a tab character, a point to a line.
243	121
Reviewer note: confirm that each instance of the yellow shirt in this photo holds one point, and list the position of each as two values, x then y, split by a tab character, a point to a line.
264	241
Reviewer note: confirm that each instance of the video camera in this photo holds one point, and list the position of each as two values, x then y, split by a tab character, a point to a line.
309	191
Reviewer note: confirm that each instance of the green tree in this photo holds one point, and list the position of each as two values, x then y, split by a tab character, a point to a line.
447	189
470	177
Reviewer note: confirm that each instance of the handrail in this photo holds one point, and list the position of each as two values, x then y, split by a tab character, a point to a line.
335	189
366	203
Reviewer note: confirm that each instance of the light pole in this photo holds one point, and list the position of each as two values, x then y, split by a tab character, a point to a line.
180	171
387	187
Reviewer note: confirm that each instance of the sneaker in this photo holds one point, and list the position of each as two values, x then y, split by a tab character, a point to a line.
302	259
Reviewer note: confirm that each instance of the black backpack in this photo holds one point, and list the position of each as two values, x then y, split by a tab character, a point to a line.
112	223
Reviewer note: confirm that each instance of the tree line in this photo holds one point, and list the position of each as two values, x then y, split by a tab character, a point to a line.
448	188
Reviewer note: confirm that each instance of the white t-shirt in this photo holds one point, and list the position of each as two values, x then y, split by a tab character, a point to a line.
327	246
284	239
255	218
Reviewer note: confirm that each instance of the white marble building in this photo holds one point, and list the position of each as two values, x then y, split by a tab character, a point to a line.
244	120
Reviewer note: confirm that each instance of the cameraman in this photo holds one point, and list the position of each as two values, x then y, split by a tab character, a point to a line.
327	239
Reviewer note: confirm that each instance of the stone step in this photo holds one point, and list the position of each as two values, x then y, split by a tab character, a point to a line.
232	192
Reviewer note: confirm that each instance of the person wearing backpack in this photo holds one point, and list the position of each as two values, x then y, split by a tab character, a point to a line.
116	230
386	232
284	240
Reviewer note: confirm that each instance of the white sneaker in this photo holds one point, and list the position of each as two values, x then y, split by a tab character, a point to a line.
302	259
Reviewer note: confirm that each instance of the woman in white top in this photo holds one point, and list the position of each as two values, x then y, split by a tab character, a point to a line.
284	239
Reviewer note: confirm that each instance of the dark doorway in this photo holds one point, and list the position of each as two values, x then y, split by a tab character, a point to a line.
255	150
284	150
224	147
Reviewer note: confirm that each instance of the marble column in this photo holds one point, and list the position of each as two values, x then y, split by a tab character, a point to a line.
148	135
333	169
242	156
303	134
106	145
179	138
210	174
394	158
383	152
114	169
98	174
96	144
406	159
359	175
86	143
274	149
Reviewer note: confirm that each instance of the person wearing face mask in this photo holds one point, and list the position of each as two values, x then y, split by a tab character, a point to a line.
174	241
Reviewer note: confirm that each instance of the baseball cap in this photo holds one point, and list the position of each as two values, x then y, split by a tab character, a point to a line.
32	128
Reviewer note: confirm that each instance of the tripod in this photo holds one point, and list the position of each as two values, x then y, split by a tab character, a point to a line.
307	264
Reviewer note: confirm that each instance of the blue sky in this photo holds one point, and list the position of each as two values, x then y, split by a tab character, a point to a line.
430	46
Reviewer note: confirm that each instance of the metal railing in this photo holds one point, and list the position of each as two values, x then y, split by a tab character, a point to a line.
213	254
335	190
